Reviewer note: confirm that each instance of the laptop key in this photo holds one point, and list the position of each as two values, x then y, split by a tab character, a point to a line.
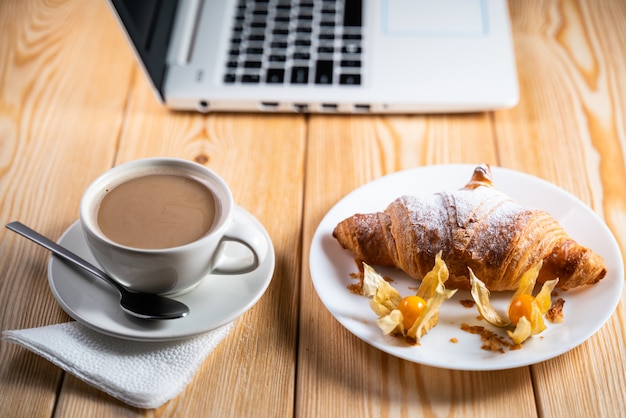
254	50
275	76
299	75
301	56
351	63
252	64
353	13
350	79
250	78
352	48
256	37
324	72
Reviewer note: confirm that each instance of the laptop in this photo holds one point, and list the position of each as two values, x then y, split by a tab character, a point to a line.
324	56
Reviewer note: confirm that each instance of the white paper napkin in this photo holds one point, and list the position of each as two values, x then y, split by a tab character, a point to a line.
142	374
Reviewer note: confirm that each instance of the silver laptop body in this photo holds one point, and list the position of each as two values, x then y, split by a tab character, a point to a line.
331	56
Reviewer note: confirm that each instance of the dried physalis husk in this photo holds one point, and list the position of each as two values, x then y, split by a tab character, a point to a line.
525	311
385	298
481	294
413	316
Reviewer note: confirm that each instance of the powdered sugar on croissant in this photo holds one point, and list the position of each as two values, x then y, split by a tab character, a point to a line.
477	227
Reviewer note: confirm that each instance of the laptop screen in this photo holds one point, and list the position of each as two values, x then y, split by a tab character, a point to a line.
148	24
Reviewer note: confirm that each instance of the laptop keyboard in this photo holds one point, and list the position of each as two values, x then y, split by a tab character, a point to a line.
296	42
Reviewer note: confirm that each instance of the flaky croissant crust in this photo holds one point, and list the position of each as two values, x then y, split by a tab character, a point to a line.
477	227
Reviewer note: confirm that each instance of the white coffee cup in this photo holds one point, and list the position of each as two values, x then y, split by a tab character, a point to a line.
177	269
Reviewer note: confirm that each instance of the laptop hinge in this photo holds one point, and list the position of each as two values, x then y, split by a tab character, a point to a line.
184	33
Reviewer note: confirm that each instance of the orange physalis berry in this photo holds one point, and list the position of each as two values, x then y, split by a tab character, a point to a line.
521	306
412	307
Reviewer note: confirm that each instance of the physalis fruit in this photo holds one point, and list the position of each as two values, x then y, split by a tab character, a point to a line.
525	311
412	316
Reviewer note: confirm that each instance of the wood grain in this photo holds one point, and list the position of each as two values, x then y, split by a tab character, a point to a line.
571	117
56	131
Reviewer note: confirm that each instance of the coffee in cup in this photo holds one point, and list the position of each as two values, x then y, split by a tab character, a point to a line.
157	225
157	211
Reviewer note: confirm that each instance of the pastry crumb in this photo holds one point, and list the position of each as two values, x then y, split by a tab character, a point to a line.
468	303
555	313
491	340
357	288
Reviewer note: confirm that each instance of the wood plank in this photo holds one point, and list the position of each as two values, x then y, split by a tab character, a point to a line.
338	374
571	119
60	114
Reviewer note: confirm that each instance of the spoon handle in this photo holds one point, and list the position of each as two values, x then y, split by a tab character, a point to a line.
62	252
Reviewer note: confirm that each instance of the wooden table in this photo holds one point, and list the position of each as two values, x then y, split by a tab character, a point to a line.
73	104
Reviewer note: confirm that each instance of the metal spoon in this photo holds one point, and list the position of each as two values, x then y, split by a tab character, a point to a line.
141	305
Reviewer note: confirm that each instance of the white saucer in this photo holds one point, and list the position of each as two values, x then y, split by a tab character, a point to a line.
216	301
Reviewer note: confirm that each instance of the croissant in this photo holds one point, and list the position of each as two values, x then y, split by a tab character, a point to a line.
477	227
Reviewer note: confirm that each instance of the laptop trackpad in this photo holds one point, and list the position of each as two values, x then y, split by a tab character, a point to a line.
434	18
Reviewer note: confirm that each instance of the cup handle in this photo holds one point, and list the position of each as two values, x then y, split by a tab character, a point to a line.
247	235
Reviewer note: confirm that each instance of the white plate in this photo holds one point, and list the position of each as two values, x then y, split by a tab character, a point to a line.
585	310
217	300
